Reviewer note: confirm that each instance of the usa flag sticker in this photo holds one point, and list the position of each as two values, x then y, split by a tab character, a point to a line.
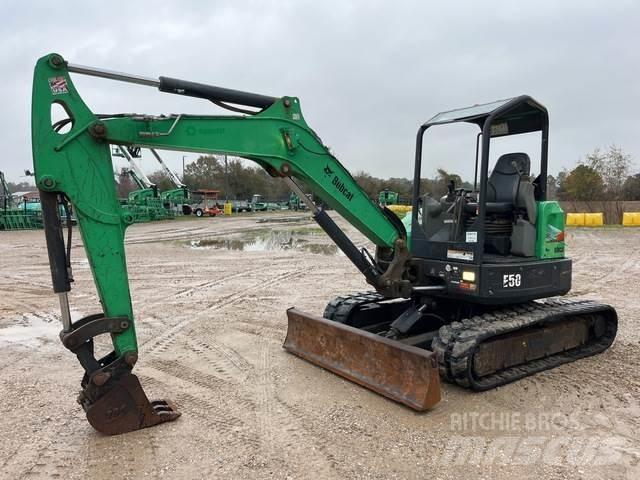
58	85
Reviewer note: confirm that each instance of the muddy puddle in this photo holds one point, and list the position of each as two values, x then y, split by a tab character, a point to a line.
30	330
304	239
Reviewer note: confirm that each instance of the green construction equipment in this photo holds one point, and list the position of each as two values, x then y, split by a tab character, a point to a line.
258	204
177	199
295	203
460	287
24	216
387	197
144	204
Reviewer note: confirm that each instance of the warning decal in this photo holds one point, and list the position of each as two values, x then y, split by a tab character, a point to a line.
58	85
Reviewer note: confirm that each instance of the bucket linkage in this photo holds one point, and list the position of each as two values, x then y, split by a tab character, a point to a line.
111	395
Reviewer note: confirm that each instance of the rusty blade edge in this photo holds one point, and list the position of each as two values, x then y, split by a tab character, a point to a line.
426	398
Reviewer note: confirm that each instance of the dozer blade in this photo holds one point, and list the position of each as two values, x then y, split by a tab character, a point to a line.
403	373
125	408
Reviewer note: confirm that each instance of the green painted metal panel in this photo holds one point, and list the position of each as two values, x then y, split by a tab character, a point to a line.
78	163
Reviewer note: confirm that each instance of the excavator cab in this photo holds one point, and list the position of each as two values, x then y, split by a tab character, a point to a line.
485	244
480	260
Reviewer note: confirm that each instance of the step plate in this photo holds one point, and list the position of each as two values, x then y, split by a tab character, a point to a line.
403	373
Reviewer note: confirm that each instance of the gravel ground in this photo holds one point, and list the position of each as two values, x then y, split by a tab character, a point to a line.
210	297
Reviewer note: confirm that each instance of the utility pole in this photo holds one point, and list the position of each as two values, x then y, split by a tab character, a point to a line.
183	157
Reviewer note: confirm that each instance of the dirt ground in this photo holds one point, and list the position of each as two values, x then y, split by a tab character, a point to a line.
210	297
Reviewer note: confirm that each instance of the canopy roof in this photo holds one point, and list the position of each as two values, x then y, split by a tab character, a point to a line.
510	116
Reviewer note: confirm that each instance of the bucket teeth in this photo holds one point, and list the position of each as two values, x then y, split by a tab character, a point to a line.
403	373
125	408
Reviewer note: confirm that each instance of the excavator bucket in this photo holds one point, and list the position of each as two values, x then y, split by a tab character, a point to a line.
403	373
125	407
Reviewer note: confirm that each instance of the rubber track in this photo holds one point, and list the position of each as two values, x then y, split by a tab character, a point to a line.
341	307
456	343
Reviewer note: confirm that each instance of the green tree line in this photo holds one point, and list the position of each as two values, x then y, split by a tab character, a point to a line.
601	175
237	181
234	180
404	187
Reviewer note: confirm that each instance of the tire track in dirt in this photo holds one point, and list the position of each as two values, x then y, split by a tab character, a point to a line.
265	389
221	416
55	445
263	428
596	274
225	360
213	283
259	330
630	262
589	390
136	456
281	434
265	284
29	281
208	381
163	236
163	341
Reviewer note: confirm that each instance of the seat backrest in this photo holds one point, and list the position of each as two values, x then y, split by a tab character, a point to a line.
506	176
509	182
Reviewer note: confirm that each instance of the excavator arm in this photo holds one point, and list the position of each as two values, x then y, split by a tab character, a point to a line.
76	167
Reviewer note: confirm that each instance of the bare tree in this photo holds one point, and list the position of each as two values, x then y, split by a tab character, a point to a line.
614	167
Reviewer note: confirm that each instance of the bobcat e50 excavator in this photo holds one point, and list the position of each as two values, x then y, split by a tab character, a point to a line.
455	285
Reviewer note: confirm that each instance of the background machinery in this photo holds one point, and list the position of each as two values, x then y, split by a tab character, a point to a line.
456	286
145	204
387	197
26	215
179	197
258	204
205	203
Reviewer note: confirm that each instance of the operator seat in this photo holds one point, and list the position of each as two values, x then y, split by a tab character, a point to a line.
511	194
509	186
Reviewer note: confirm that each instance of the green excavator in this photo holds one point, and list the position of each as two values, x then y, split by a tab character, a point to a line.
179	196
460	288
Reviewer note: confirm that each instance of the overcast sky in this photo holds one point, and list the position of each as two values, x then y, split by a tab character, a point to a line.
367	73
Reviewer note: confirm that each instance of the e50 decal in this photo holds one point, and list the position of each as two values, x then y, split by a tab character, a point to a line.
511	280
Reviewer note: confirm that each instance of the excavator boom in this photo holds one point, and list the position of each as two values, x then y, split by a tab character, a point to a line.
76	167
